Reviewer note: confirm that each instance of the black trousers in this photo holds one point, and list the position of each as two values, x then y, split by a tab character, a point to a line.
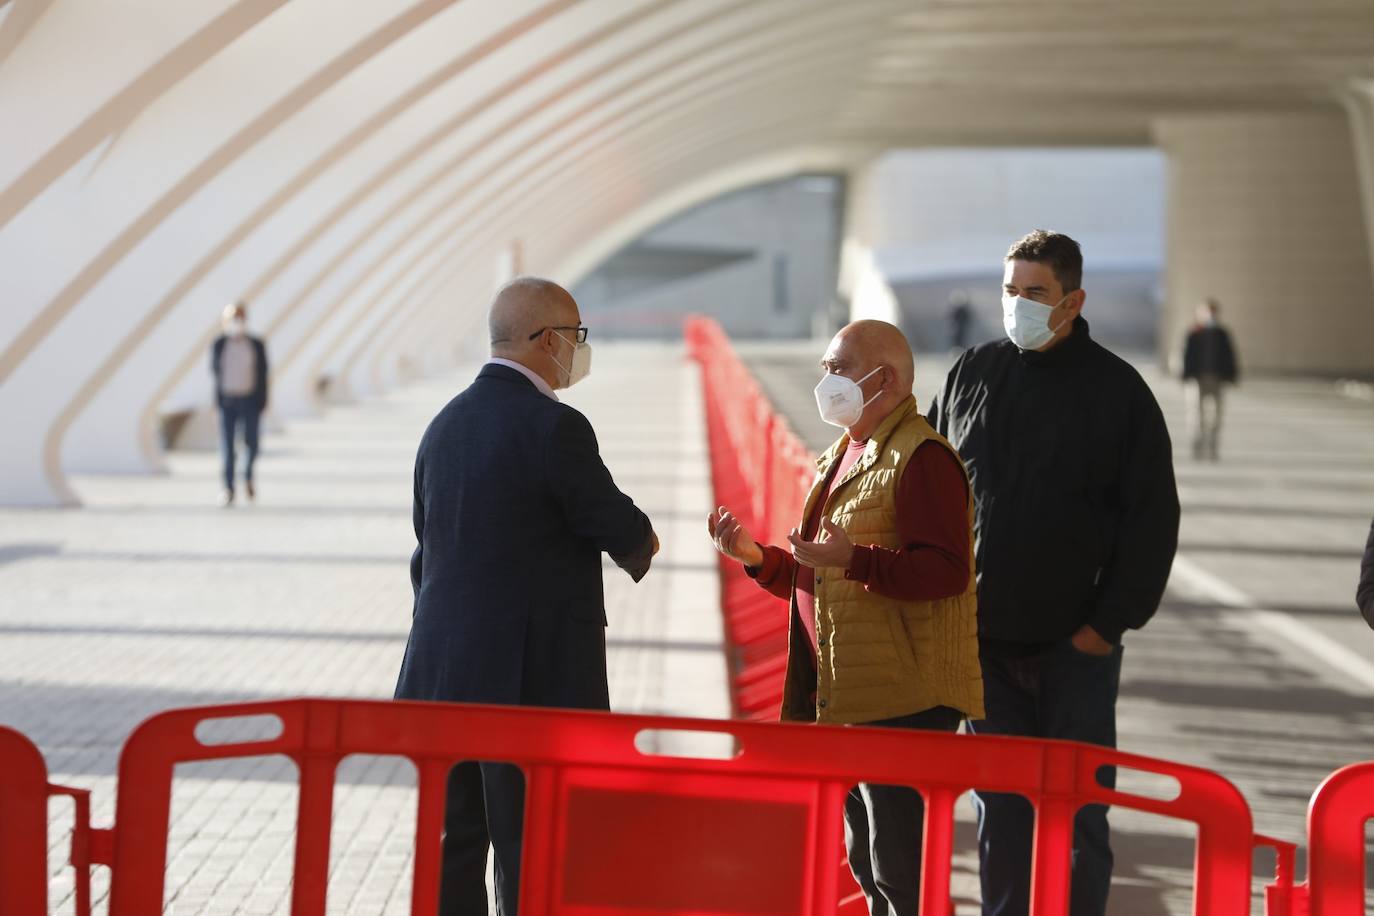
485	808
1061	693
884	826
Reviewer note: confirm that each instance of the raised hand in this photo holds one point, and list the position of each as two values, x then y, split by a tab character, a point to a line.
731	538
832	547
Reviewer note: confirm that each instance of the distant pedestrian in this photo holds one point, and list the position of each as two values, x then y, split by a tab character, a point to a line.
960	320
238	361
1209	364
1364	592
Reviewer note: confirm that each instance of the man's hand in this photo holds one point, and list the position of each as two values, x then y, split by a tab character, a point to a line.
831	548
1087	641
732	539
654	535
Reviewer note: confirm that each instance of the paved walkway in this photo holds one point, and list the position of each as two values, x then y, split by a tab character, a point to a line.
152	597
1257	665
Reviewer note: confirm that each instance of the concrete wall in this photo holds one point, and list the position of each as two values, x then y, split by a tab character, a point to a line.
761	260
922	223
1265	215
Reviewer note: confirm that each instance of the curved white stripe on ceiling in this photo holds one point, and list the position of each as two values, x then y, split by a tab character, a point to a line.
353	168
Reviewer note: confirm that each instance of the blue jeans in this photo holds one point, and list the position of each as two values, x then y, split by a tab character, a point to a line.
884	825
1060	693
233	413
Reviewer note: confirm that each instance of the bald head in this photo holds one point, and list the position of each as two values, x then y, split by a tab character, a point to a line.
873	343
522	307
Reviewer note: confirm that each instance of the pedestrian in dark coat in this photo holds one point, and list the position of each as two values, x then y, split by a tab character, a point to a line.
1364	592
513	508
1209	365
238	363
1076	524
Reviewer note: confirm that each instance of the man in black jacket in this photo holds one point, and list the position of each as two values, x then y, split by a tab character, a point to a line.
238	361
1076	525
1209	365
513	508
1364	592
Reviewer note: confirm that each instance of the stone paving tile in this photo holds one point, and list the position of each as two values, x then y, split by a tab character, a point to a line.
1282	519
151	597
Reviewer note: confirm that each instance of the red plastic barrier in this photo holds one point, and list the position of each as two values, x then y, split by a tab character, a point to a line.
608	827
24	794
23	827
1336	820
763	472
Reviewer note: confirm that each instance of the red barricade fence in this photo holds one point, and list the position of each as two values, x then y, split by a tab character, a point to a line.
610	828
762	472
23	826
1336	822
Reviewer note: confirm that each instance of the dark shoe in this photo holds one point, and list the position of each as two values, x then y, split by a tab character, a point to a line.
248	485
226	499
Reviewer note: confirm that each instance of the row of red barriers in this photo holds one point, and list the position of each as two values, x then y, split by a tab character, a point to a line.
762	472
609	828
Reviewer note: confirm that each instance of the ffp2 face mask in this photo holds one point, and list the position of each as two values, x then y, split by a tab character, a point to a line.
841	400
581	361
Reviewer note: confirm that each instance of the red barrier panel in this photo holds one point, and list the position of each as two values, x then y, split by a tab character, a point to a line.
762	472
751	834
1336	819
23	827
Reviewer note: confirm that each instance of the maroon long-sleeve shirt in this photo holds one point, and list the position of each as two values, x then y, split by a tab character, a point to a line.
932	522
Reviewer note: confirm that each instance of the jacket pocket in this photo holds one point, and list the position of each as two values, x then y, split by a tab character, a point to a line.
901	639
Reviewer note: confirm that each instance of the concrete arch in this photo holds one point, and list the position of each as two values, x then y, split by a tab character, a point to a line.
149	389
50	452
36	157
355	168
351	202
530	202
534	175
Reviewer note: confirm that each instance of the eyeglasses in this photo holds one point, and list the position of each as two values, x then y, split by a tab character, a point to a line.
580	329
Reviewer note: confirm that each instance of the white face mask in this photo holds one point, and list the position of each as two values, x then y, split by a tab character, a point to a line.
236	327
841	401
1027	322
581	361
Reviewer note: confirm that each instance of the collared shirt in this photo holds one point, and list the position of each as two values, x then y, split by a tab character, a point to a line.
238	367
527	372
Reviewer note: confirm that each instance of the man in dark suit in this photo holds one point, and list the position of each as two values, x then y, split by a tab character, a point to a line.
513	508
238	361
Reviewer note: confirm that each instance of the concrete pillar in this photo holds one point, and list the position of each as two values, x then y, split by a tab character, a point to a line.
1359	106
1265	215
862	282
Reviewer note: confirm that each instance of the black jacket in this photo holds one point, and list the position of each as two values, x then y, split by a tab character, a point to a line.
1364	592
1072	475
1207	351
512	509
259	394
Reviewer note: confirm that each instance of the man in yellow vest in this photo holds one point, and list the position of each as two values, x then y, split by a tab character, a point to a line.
879	574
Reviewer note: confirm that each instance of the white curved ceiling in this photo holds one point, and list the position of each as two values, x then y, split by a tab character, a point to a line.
356	169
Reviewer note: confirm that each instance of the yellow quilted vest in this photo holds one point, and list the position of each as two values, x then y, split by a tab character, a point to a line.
877	657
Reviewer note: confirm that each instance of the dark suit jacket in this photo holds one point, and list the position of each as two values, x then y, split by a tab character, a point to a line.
260	387
1364	592
513	508
1207	351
